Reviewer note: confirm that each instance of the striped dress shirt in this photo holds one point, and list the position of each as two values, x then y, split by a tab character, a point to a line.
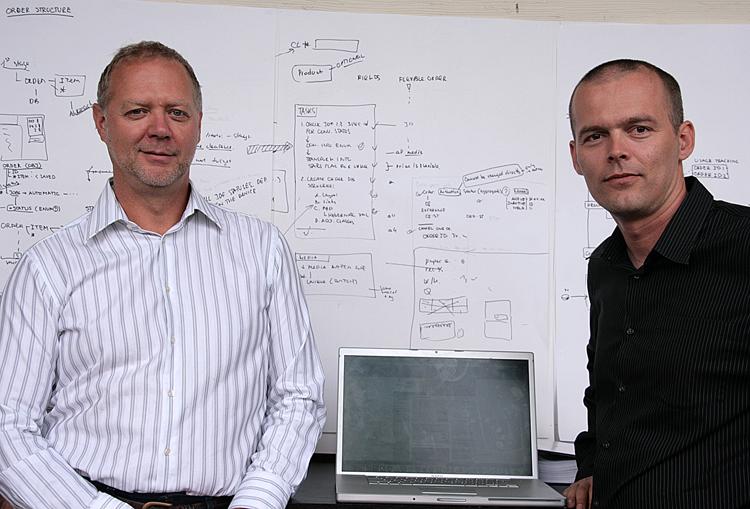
669	364
182	362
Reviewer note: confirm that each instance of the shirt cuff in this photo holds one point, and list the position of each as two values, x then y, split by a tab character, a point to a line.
261	489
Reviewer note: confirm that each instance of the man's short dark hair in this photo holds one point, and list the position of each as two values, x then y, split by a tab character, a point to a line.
142	51
623	65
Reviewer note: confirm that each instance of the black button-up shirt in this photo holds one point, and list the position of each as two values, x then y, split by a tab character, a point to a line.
669	364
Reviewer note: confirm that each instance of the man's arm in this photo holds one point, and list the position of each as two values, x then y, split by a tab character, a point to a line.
579	493
32	473
295	410
585	443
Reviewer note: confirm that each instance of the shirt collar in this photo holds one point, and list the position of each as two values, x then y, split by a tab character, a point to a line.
197	203
680	235
108	211
613	249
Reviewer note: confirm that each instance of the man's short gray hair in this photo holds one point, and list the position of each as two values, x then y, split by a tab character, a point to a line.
623	65
142	51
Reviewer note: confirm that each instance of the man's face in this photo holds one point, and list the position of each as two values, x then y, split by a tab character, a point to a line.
151	124
625	145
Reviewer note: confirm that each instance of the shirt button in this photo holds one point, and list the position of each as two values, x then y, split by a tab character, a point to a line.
171	393
167	451
636	276
621	388
605	445
630	331
167	288
173	340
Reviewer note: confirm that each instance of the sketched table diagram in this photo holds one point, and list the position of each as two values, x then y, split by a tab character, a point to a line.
22	138
461	294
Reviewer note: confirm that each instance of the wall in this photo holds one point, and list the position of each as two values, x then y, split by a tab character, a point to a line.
610	11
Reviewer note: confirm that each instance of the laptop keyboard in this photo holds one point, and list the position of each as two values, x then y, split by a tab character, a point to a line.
441	481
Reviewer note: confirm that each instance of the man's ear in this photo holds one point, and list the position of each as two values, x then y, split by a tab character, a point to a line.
686	134
100	119
200	127
576	166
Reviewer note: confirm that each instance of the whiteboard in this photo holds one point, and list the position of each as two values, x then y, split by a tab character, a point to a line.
415	203
418	166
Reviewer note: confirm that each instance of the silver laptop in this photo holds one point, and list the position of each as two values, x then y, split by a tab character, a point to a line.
432	427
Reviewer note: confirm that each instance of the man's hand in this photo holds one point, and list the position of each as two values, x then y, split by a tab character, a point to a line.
578	494
4	504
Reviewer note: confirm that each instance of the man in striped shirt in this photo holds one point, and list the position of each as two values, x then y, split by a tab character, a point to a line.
159	348
669	352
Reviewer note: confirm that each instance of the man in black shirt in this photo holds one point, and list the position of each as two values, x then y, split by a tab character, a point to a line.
669	353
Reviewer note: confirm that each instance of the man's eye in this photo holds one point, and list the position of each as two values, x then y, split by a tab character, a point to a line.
178	113
592	137
640	129
136	112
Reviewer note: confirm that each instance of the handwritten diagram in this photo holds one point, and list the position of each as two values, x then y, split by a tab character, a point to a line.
465	297
318	73
335	160
348	275
22	138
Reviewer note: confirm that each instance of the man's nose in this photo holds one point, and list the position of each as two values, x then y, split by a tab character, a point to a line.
159	125
617	147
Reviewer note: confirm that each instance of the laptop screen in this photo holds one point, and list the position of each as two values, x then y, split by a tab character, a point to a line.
437	413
